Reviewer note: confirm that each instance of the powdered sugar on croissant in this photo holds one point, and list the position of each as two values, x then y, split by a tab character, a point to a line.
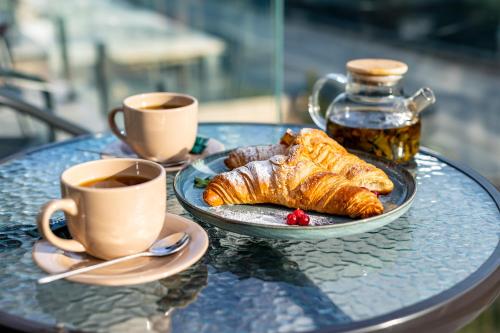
321	149
243	155
293	181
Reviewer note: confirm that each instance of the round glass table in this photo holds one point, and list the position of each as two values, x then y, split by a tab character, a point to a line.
435	268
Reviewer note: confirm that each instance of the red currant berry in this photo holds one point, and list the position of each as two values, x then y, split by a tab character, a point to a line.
299	212
304	220
291	219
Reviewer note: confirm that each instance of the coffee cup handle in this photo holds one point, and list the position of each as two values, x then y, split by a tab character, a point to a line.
112	123
66	205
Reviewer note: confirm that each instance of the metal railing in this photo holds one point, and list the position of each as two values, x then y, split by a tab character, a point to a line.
12	101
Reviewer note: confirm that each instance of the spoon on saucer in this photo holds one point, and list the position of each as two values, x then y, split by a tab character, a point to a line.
163	247
164	164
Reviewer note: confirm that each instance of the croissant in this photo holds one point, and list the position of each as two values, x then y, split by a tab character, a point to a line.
243	155
322	150
294	181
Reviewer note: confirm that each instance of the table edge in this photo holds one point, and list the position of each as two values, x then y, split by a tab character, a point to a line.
487	275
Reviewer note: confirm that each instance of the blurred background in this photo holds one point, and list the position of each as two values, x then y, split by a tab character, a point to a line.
65	64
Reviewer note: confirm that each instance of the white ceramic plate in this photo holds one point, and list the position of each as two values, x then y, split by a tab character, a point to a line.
119	148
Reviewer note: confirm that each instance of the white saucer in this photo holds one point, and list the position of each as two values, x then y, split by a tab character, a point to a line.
139	270
119	148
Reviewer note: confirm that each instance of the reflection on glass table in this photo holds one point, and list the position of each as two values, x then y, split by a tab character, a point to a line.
426	271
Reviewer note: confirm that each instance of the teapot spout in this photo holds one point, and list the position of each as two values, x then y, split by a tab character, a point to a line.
423	98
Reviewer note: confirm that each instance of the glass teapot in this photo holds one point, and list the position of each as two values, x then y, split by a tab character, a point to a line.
372	114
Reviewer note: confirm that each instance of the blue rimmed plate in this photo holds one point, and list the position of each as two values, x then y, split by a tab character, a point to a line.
269	220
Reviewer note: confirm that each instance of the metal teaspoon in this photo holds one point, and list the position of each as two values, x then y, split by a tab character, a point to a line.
164	164
163	247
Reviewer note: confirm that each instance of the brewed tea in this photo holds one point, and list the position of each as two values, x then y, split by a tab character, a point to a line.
397	144
160	107
114	181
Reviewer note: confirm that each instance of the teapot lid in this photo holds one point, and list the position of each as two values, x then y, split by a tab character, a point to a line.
377	67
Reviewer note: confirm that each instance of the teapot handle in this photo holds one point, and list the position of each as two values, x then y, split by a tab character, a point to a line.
314	108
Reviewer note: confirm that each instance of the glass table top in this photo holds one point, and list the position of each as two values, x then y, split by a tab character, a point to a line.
249	284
